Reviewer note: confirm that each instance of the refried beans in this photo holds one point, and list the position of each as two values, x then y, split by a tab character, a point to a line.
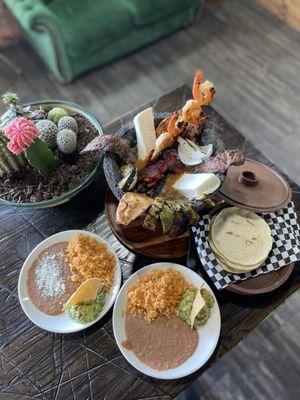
161	344
49	282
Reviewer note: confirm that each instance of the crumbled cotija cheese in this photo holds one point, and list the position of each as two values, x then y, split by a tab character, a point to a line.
48	276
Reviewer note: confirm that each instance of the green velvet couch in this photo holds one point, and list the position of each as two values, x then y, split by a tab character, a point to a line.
74	36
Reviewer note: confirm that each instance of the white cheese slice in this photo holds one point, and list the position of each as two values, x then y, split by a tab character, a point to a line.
198	304
145	132
193	185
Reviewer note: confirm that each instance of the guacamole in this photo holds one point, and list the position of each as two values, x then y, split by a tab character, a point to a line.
186	304
84	313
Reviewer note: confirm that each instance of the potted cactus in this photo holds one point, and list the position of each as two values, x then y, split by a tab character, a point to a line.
40	144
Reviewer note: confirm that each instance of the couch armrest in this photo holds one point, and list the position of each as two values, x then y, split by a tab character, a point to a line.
42	27
27	12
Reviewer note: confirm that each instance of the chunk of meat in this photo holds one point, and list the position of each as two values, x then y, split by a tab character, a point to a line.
152	173
168	162
221	162
114	144
131	206
174	165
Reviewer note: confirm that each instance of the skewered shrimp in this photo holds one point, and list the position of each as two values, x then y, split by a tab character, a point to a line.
203	92
191	116
166	139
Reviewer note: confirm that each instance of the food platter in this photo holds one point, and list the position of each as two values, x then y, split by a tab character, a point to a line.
150	244
208	334
164	169
62	323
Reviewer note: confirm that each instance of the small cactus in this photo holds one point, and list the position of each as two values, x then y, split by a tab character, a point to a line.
10	99
9	162
66	141
67	123
23	135
56	114
48	132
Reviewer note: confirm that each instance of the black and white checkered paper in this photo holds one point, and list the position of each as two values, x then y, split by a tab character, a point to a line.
286	247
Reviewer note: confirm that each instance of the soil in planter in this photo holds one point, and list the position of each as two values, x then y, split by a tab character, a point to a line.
29	186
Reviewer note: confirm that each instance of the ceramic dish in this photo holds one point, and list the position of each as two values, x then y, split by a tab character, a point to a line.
65	197
111	165
208	333
62	323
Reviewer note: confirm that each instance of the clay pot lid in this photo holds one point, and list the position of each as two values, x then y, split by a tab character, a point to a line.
255	186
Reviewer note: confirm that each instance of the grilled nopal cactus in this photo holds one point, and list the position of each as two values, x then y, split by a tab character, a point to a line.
9	162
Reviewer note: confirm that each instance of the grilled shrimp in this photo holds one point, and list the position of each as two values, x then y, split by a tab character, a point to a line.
187	121
202	92
167	139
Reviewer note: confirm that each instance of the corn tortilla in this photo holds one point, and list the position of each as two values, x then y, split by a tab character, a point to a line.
241	237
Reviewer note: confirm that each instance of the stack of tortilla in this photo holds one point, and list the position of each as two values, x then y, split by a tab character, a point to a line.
240	239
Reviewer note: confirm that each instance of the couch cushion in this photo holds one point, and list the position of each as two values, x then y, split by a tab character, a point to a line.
88	25
150	11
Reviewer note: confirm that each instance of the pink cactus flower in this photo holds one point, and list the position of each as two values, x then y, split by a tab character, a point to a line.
22	133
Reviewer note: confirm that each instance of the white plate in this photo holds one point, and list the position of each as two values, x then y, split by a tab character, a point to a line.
208	333
62	323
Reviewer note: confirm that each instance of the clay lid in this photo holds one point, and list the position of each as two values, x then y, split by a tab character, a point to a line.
255	186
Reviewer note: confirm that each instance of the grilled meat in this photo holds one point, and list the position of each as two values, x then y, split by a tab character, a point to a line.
170	157
152	173
221	162
114	144
168	162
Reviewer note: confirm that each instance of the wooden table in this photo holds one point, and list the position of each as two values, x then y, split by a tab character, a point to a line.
88	365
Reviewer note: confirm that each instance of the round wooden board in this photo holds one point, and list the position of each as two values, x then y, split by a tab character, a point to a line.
138	240
262	283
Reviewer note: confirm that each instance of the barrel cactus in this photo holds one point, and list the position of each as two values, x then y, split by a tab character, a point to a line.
66	141
67	123
48	132
9	162
56	114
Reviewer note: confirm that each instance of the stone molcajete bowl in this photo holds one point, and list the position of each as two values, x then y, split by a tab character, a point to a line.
111	162
68	195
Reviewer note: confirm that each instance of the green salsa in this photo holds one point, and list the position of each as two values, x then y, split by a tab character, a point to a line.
185	307
84	313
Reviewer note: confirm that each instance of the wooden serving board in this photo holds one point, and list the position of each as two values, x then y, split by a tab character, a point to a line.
262	283
138	240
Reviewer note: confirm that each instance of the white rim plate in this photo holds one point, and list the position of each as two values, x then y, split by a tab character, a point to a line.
208	333
62	323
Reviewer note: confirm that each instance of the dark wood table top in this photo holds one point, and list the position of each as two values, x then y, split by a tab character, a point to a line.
88	364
